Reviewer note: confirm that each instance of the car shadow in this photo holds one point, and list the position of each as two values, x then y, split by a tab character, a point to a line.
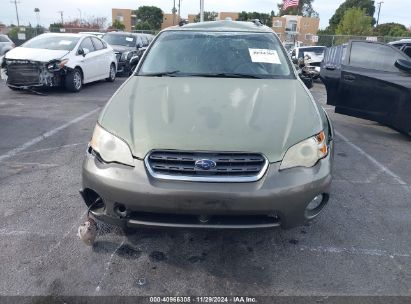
235	255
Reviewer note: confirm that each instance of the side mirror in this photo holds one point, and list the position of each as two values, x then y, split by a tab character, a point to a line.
83	51
134	60
404	65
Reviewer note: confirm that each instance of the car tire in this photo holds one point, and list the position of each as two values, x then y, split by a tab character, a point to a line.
74	81
112	75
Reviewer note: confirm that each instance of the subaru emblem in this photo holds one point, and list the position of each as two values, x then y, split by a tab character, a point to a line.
205	164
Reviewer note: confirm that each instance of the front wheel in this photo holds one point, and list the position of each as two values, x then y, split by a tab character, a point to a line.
112	75
74	81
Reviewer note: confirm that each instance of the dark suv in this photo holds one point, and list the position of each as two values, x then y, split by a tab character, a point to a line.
128	48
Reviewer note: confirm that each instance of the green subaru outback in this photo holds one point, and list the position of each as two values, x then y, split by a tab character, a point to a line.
213	130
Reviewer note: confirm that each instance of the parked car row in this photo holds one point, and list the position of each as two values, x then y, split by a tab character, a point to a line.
70	60
129	47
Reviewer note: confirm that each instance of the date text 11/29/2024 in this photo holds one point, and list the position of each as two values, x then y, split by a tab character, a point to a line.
234	299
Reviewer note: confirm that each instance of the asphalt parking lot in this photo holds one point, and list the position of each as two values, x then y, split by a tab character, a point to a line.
360	245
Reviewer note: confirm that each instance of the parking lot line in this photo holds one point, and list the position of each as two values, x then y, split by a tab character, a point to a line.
45	135
372	159
107	268
353	250
52	148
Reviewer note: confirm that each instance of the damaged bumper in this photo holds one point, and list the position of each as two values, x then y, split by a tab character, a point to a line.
26	73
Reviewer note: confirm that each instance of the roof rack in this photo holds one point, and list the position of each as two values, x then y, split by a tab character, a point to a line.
257	22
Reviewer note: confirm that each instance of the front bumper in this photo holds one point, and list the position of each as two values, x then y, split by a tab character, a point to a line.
280	198
123	67
31	75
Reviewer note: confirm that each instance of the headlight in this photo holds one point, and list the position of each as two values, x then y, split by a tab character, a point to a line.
56	65
306	153
126	56
110	148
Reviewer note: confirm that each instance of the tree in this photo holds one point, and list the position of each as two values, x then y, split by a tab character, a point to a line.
367	5
355	22
265	19
55	27
305	8
118	25
391	29
149	16
208	16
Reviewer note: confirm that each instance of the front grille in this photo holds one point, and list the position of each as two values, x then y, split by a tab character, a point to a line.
181	165
23	73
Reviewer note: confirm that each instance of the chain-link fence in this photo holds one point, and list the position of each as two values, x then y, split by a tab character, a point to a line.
332	40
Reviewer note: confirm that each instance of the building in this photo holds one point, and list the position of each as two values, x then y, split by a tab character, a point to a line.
169	20
290	28
296	29
3	29
125	16
225	15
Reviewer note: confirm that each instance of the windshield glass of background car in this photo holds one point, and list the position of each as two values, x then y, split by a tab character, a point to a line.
315	50
52	43
124	40
201	53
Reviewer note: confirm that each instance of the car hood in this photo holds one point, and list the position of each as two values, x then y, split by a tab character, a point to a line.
122	48
42	55
212	114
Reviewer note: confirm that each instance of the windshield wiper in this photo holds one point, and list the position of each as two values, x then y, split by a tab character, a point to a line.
161	74
228	75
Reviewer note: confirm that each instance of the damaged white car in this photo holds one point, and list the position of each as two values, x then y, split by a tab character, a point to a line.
51	60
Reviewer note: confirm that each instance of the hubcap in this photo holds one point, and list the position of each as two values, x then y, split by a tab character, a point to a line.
77	80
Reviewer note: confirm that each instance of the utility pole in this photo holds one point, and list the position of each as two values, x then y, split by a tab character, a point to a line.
61	16
80	15
379	11
201	10
17	12
174	12
179	11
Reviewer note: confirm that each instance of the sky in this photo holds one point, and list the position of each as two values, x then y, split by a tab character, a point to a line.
391	11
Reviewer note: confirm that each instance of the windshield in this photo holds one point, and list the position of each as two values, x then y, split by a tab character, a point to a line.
66	43
316	50
115	39
258	55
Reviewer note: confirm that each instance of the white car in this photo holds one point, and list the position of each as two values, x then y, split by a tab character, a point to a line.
59	59
312	55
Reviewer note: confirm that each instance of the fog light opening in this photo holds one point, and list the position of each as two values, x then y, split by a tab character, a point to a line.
316	205
92	199
120	210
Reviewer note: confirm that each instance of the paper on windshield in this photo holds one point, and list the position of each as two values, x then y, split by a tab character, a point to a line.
65	42
129	39
264	56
